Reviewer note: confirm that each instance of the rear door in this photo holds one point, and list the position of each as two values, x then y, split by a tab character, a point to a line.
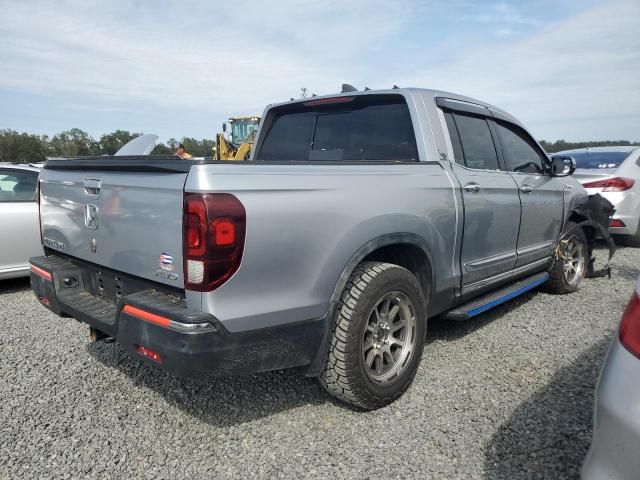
124	217
490	196
541	195
19	235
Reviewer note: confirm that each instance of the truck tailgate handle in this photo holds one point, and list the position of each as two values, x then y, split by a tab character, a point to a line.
472	187
92	186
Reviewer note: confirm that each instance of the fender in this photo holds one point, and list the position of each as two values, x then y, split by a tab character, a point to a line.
315	368
593	215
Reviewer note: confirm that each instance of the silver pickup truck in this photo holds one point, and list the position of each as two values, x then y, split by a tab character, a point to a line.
358	217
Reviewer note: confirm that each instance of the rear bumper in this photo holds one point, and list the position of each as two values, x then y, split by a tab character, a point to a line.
189	343
626	204
616	433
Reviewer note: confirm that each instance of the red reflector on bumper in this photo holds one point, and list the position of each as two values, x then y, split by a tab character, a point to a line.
617	223
40	272
148	353
146	316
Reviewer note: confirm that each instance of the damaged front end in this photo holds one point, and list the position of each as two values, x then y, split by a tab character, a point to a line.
593	216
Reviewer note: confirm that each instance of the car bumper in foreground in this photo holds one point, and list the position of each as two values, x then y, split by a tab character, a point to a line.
160	329
615	448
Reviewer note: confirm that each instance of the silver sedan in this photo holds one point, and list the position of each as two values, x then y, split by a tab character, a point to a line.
613	172
615	447
20	232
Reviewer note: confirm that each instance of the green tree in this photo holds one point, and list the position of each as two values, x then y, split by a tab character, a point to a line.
21	147
198	148
162	149
110	143
73	143
559	145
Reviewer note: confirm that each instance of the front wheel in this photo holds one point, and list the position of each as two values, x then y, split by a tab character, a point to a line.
378	335
570	263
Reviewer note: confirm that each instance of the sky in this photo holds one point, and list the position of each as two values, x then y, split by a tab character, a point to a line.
567	69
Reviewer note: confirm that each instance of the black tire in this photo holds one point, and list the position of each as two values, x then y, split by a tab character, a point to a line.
630	240
346	374
560	282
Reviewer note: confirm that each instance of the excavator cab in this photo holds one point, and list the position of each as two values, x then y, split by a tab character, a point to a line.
243	129
238	147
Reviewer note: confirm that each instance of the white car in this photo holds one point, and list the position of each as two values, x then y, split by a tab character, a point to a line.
20	232
613	172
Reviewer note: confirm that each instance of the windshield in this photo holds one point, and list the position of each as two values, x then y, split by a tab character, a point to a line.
372	127
598	160
243	130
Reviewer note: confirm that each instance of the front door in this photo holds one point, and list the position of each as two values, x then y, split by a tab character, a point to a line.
490	197
541	195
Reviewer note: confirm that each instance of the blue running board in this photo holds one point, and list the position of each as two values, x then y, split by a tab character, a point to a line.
495	298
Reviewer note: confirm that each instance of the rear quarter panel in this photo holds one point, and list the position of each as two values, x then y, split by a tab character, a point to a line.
305	222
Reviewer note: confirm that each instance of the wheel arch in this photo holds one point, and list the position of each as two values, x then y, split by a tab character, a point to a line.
407	250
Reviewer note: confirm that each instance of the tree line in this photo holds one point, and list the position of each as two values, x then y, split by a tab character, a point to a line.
30	148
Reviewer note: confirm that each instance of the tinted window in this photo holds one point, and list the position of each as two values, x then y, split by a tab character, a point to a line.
455	138
595	160
518	150
477	144
289	137
17	186
366	129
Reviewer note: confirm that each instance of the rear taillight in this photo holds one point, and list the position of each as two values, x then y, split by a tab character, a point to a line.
214	227
617	184
630	324
615	223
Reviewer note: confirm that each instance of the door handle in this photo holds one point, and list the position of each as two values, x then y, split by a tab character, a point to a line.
472	187
526	188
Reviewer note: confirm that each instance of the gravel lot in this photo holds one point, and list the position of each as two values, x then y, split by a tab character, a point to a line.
507	395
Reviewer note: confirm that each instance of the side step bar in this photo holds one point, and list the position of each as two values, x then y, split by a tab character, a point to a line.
495	298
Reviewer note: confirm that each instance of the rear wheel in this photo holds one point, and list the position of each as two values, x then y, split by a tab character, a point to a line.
570	262
378	336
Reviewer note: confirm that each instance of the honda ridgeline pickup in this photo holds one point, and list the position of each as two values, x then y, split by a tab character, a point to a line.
358	217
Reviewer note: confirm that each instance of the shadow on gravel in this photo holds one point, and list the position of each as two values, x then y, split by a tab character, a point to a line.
446	330
218	401
14	285
549	434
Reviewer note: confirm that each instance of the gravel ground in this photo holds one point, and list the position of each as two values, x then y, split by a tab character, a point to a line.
508	395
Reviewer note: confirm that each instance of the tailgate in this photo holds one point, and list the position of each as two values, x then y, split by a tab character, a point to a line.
124	215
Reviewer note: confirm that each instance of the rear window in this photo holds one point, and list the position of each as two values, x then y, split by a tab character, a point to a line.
597	160
17	186
372	127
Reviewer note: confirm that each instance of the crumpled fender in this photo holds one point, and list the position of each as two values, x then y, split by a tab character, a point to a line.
596	213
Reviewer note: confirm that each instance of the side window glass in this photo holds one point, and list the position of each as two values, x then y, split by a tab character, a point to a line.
17	187
477	143
518	150
455	138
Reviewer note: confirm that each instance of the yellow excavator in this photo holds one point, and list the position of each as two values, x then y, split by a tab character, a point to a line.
243	134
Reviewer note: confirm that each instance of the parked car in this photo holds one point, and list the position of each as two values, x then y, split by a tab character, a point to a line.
616	433
613	172
359	216
20	232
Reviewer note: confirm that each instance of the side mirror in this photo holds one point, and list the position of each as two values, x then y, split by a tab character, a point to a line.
562	166
224	127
